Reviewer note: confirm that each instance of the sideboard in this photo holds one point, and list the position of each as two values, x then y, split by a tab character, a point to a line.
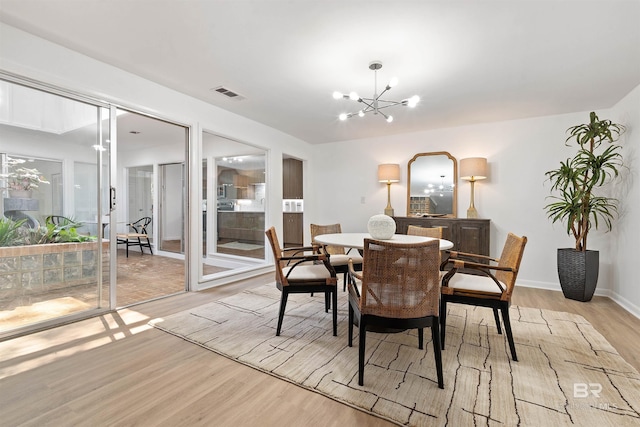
467	234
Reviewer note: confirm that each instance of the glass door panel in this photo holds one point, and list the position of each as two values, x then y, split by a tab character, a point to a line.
233	205
151	155
52	151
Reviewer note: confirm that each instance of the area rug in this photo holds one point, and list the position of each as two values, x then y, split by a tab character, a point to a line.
567	373
240	246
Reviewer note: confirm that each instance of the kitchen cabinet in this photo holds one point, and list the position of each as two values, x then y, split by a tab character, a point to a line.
292	179
293	229
247	227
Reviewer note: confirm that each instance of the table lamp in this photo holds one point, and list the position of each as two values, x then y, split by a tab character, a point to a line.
389	173
473	169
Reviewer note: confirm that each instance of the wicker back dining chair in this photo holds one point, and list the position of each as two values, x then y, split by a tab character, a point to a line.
435	232
414	230
338	257
399	288
303	270
490	284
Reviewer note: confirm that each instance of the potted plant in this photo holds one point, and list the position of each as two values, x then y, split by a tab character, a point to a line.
21	181
579	205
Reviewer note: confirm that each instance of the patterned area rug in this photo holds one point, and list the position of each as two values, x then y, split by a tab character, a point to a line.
567	373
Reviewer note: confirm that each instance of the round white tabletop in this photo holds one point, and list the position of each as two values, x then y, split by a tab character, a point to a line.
356	240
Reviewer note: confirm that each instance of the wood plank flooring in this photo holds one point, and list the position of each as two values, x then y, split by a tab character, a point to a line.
116	370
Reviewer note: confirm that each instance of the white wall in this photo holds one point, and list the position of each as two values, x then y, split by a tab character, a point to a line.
626	234
519	153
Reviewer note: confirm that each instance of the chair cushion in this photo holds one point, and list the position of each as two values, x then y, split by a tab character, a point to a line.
344	259
307	272
470	282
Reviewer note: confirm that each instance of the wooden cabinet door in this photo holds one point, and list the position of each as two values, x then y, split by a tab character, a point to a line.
293	229
292	179
473	237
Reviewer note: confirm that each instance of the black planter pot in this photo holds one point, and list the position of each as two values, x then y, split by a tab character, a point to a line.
578	273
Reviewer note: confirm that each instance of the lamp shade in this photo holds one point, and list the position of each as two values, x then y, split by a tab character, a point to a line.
473	168
389	172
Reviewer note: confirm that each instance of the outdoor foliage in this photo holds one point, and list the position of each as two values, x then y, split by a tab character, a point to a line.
12	233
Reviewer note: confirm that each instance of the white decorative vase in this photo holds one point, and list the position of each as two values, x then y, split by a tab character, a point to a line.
20	194
381	227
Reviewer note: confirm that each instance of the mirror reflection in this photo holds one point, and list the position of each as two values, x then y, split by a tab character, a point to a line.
432	179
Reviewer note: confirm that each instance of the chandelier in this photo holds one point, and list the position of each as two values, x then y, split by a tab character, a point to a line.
375	104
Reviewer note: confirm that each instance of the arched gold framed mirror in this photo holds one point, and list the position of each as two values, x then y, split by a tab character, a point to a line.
432	188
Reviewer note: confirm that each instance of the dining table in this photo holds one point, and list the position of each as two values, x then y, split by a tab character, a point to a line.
356	240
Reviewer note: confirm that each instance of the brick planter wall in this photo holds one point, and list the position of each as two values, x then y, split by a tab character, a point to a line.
35	269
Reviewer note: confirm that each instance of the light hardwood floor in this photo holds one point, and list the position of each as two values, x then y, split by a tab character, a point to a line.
116	370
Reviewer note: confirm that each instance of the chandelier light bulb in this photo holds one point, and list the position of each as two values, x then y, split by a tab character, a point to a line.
361	113
353	96
342	116
393	82
337	95
413	101
389	119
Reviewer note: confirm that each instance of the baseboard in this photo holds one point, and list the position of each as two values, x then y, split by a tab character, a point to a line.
615	297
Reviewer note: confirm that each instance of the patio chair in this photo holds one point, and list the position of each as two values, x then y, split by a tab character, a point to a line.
138	237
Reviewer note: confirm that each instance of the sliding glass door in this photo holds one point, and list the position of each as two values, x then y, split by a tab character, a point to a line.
54	152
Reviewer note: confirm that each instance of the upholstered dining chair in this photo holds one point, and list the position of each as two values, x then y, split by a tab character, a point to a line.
399	288
491	285
304	270
338	258
138	237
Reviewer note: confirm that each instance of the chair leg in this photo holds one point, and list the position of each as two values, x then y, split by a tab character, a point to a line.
443	321
344	281
327	302
437	351
507	328
283	304
350	326
497	317
334	295
420	338
361	348
127	247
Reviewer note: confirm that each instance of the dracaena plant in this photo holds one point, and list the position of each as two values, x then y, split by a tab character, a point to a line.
575	184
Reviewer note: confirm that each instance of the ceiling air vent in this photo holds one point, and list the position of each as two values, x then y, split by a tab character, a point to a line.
228	93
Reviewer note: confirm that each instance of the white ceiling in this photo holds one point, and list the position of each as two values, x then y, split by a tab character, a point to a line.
469	61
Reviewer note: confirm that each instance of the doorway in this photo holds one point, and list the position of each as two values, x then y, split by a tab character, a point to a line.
150	163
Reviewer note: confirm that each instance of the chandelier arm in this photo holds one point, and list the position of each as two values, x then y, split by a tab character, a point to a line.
392	105
368	104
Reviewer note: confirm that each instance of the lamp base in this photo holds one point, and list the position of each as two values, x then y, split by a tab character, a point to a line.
472	212
388	211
